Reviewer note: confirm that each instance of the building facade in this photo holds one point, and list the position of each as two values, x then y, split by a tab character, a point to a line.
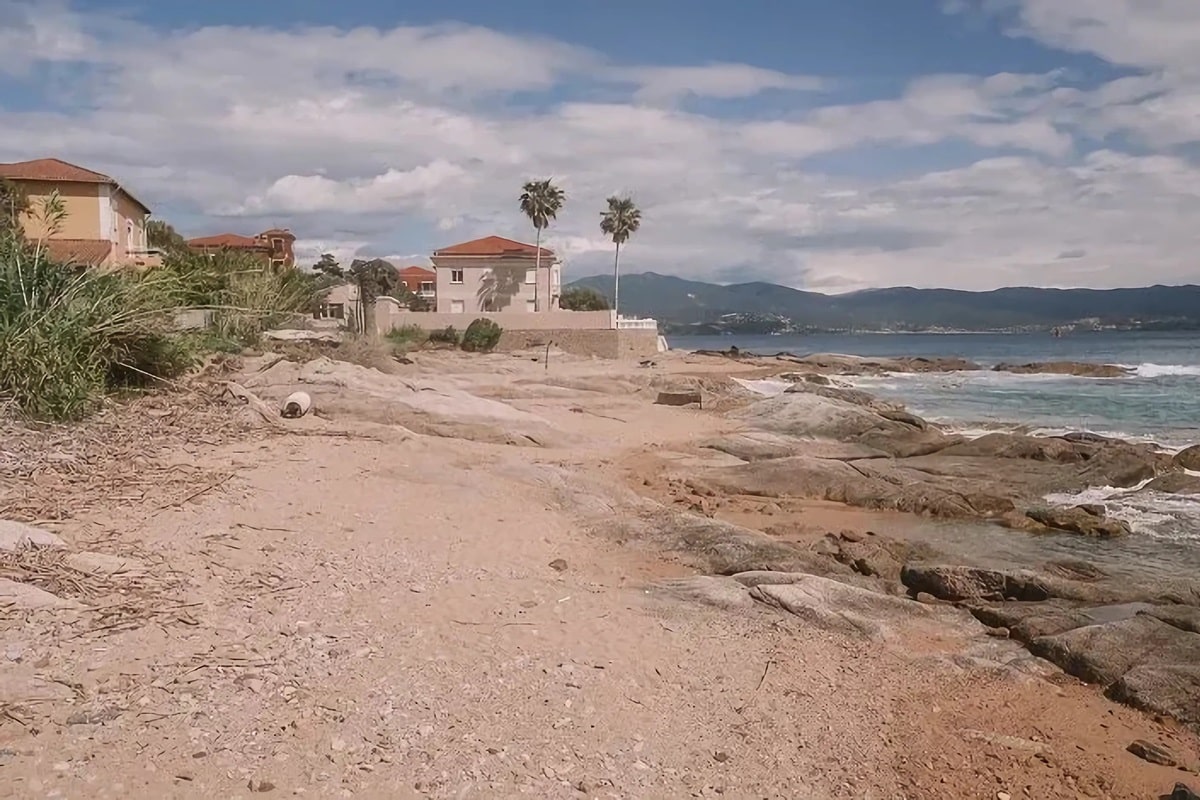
275	246
104	224
420	281
495	274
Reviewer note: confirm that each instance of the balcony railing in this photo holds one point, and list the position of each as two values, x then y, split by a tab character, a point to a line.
634	323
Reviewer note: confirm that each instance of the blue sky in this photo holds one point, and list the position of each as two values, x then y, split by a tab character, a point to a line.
832	146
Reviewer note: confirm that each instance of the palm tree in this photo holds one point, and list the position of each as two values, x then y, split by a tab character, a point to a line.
620	221
541	201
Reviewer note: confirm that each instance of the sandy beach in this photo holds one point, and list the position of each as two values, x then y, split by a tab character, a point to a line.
489	576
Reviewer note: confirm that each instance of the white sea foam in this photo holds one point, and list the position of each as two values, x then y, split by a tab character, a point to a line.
1162	370
1163	516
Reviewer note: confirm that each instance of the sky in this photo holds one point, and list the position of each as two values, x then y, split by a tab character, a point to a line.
829	146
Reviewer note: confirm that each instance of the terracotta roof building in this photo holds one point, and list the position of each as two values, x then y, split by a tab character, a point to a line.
276	246
104	224
496	274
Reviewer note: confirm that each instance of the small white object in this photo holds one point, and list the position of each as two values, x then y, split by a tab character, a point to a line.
296	405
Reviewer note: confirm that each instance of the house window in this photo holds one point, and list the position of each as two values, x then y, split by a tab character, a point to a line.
531	276
426	286
277	246
456	276
332	311
456	306
128	233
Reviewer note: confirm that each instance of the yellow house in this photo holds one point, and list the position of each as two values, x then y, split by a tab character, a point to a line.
105	225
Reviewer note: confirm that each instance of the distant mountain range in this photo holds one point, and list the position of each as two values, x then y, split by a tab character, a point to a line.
684	306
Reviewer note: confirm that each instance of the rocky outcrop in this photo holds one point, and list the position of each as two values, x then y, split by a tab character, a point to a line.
1174	483
1085	520
1188	458
1104	653
1082	369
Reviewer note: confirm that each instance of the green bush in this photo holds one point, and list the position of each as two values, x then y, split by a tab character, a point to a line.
582	298
406	338
481	336
445	336
69	334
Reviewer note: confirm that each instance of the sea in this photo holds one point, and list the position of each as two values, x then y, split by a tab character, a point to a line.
1158	403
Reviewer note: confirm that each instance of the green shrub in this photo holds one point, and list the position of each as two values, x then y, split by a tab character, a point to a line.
582	298
445	336
406	336
68	334
481	336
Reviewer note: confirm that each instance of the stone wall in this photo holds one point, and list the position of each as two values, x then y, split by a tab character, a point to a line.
635	344
389	315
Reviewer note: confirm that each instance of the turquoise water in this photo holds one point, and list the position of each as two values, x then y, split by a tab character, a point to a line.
1159	402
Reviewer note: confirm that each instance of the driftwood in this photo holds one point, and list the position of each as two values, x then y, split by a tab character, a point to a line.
270	415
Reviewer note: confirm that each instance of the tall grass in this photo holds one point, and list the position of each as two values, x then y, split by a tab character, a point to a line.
68	334
246	295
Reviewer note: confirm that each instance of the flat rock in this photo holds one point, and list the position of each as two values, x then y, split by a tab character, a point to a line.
1103	653
973	583
1172	690
713	590
28	598
838	606
289	335
1186	618
1012	445
1027	621
1081	369
15	535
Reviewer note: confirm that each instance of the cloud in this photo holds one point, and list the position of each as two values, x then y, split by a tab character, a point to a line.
724	81
368	141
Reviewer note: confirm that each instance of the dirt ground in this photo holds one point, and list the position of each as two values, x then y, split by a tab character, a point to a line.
354	609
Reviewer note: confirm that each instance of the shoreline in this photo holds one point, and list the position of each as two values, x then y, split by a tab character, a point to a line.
479	544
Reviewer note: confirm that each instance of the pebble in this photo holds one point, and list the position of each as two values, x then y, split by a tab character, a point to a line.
558	565
1003	796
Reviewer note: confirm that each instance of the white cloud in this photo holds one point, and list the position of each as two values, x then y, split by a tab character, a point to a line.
358	138
715	80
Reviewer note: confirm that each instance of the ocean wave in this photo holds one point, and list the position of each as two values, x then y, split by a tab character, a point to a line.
1162	370
1170	517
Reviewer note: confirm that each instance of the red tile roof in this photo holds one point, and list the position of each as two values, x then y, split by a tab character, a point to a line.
57	170
51	169
233	240
492	246
417	272
278	232
85	252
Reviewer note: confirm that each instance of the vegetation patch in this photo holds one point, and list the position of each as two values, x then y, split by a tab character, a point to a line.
481	336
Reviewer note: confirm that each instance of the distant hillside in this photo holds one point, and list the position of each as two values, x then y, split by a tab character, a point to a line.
684	305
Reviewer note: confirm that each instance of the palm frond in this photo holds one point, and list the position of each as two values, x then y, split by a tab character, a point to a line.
621	220
541	201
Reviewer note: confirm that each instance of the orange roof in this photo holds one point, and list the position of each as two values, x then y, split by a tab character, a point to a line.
225	240
492	246
55	169
278	232
51	169
417	272
85	252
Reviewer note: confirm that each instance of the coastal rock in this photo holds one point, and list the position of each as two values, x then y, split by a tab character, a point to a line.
1154	753
812	415
1079	520
973	583
1174	483
1188	458
1011	445
837	606
1027	621
853	396
1080	369
1172	690
1104	653
764	446
1186	618
1123	465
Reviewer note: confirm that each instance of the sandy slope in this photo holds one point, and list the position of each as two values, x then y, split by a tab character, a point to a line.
385	613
